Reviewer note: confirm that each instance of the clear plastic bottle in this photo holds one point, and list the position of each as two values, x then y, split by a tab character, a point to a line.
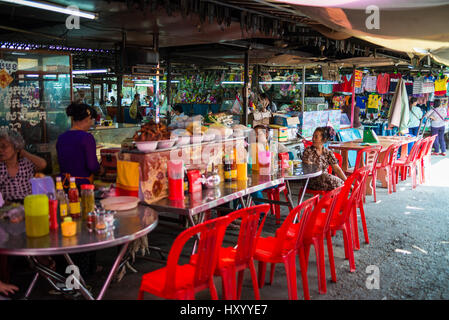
63	201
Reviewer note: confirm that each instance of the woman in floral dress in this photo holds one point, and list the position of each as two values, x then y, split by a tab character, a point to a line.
322	157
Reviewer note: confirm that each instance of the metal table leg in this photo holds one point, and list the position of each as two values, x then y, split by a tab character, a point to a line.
302	197
289	197
32	284
113	271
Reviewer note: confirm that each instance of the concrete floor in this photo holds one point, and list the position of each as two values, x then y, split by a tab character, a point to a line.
408	252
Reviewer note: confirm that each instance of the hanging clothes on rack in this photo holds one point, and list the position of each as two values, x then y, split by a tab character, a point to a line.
429	84
394	79
441	86
418	83
374	102
383	83
370	83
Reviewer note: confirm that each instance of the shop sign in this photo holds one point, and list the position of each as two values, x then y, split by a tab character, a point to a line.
24	102
128	81
8	66
358	75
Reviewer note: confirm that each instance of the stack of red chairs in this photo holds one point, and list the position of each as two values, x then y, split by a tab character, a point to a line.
425	160
388	164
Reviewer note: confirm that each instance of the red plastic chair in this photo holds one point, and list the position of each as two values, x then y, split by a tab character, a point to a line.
314	234
176	281
360	179
237	259
367	157
409	163
419	158
388	164
329	170
274	194
283	249
425	161
341	219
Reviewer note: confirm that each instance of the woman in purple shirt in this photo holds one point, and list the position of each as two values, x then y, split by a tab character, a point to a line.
76	147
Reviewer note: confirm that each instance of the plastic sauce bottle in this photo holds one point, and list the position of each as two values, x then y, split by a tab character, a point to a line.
74	200
63	201
234	166
227	169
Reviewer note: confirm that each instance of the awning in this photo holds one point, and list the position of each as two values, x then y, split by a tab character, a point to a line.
420	28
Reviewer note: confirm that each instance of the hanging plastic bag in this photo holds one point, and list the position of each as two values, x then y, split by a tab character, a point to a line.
236	107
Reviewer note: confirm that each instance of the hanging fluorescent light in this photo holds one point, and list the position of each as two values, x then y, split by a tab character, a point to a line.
275	82
232	82
89	71
53	7
144	85
173	81
32	75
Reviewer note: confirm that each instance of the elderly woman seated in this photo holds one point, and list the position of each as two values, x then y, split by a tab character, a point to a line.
323	157
17	166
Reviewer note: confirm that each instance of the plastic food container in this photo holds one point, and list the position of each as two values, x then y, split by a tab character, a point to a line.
68	227
36	215
208	136
183	140
146	146
196	139
164	144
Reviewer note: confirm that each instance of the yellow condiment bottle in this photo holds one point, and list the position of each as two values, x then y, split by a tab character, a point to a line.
36	215
68	227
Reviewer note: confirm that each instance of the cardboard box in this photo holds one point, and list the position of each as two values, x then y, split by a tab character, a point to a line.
280	132
286	120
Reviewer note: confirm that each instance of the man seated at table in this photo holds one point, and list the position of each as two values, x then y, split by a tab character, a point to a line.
322	157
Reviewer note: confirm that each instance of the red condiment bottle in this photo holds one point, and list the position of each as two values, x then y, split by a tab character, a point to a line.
74	200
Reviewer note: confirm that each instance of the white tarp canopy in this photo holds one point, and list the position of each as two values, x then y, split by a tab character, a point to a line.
417	27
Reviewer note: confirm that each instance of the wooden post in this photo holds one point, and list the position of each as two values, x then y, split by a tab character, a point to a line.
353	97
168	90
303	89
245	89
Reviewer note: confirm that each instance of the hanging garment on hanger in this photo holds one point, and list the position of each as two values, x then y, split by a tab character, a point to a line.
418	85
370	83
394	79
361	102
383	83
374	101
360	90
441	86
347	83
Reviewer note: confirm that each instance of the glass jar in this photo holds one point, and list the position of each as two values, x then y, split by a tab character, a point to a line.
87	199
100	222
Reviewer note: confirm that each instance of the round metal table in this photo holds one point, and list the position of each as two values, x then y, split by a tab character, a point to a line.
303	172
128	226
